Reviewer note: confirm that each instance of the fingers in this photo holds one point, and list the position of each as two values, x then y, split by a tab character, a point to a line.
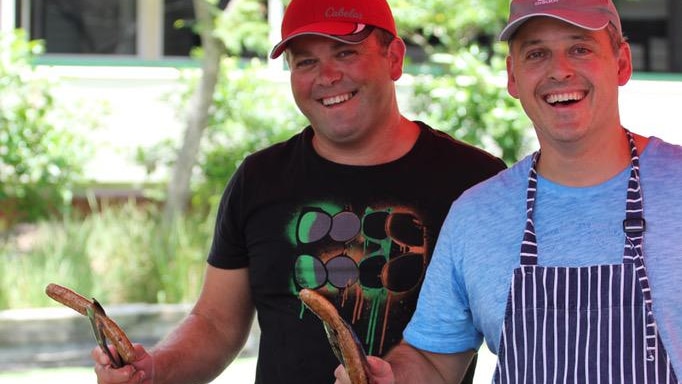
379	368
100	357
380	372
341	375
138	372
106	374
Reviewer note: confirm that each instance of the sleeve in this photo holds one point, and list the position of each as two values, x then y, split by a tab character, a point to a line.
442	322
228	248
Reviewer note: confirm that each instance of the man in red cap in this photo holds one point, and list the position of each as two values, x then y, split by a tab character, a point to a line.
570	270
350	207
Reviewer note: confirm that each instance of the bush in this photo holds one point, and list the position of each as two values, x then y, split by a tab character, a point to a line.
250	112
471	103
41	149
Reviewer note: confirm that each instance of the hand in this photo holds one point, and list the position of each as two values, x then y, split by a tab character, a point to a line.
380	372
140	371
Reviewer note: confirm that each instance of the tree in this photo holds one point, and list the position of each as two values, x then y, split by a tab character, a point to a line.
240	18
213	50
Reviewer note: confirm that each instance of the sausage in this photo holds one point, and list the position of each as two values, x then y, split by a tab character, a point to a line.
80	304
342	338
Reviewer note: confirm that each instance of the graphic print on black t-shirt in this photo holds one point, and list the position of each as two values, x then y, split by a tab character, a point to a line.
364	259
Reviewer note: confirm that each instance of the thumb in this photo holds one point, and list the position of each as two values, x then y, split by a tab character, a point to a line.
379	368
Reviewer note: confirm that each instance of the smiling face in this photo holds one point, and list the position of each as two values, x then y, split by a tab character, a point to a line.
346	91
567	80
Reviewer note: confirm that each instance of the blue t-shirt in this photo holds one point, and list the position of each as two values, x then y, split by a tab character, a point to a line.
464	295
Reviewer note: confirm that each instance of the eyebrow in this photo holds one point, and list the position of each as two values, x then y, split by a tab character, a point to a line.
584	37
336	45
297	51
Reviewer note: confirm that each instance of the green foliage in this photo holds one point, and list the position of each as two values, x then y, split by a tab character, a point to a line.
41	150
454	24
471	103
244	28
117	254
250	111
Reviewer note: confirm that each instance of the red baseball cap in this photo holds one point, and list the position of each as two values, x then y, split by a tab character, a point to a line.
588	14
343	20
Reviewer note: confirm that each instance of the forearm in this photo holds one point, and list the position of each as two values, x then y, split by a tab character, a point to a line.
197	351
411	366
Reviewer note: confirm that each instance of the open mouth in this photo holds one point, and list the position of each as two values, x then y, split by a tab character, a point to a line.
338	99
567	98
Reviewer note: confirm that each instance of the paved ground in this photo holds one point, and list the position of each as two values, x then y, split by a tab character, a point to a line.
241	371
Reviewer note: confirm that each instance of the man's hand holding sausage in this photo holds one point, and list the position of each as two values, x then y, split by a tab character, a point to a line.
139	371
379	370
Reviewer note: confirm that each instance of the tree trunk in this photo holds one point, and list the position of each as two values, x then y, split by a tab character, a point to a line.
178	191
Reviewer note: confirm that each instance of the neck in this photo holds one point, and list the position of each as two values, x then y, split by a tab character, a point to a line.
381	147
580	166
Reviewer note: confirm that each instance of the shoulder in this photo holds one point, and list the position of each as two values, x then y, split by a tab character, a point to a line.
502	189
492	206
444	147
269	165
661	164
660	148
661	157
281	151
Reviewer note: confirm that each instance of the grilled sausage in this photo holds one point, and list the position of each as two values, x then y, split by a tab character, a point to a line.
80	304
342	338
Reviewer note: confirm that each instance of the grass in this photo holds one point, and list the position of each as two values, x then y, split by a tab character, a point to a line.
117	254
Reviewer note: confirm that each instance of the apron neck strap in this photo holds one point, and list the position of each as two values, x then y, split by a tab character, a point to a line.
633	225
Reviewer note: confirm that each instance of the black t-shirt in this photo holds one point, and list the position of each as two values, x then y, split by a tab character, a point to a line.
361	235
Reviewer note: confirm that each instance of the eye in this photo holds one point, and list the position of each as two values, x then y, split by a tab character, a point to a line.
535	54
303	63
346	53
581	51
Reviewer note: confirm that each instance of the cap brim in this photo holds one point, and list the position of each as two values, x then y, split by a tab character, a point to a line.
350	33
598	22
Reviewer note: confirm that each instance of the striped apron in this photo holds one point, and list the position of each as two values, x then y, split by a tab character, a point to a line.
590	324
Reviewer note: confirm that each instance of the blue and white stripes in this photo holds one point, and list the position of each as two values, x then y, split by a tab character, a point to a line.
589	324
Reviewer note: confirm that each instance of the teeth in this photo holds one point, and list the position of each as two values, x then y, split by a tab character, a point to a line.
562	97
336	99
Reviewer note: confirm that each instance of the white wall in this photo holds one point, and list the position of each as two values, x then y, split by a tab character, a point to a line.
653	108
7	11
137	114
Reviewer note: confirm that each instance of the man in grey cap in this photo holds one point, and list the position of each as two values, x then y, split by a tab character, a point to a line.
570	269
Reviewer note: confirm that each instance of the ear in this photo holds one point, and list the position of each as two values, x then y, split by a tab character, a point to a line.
396	55
511	80
624	64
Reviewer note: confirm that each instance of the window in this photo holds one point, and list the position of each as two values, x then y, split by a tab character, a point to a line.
178	38
102	27
645	24
146	29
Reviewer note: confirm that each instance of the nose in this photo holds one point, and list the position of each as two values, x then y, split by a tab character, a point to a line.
329	73
561	68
